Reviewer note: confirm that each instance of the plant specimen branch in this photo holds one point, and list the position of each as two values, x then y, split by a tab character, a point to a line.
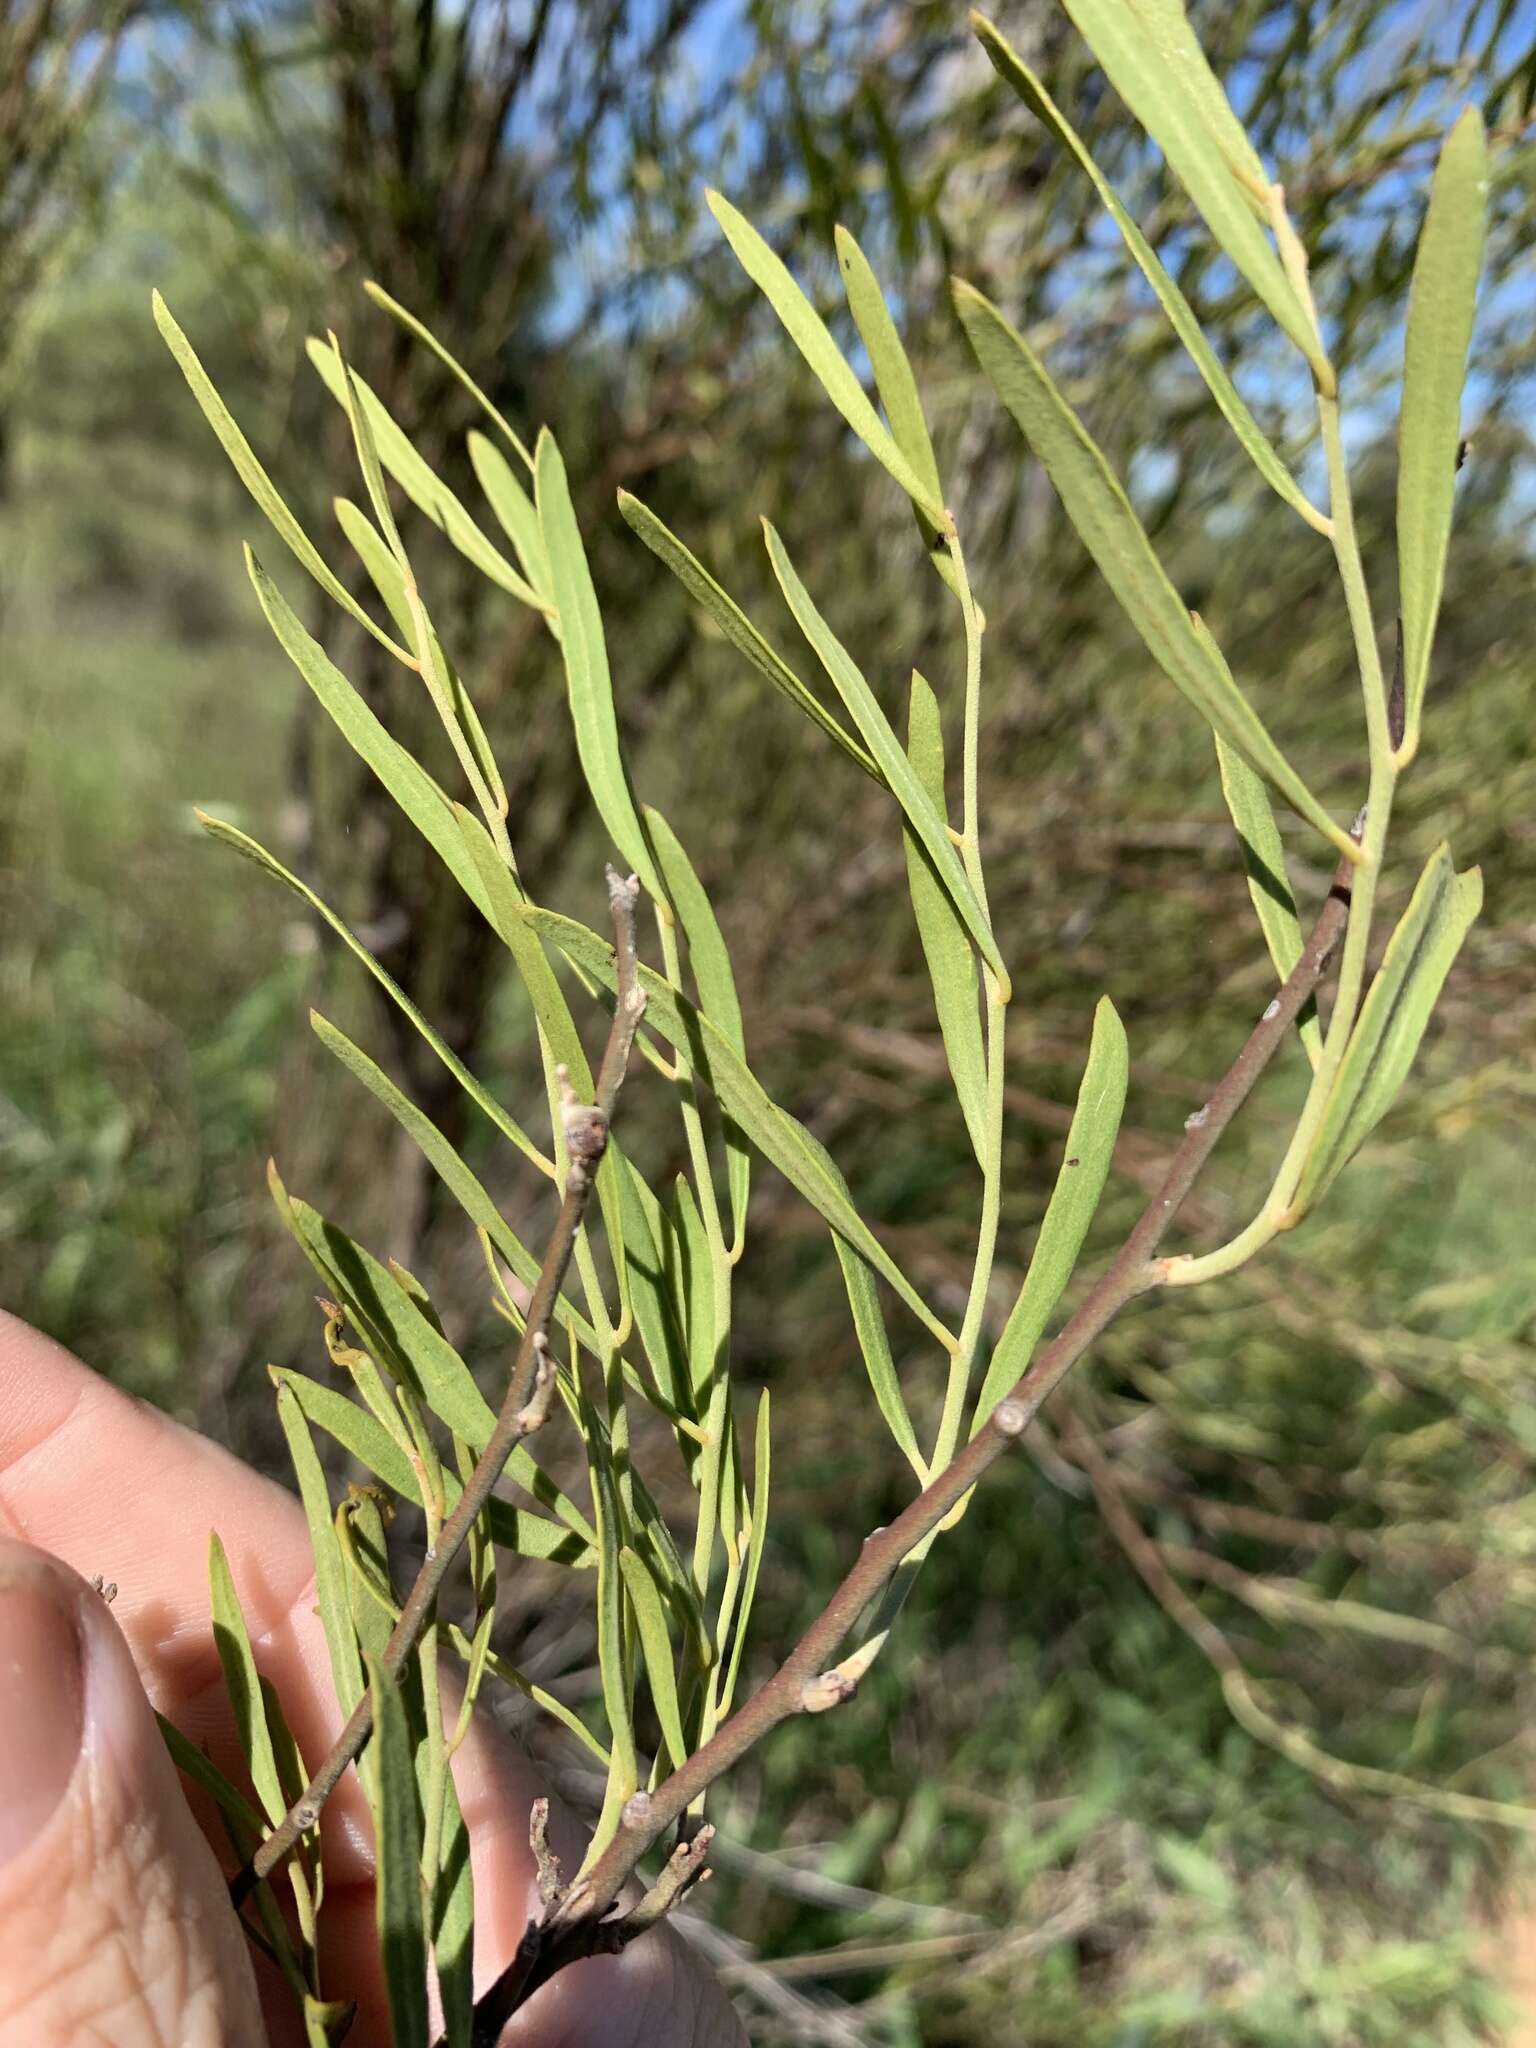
526	1402
806	1682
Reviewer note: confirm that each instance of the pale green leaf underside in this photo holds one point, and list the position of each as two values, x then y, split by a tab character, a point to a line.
656	1644
1440	309
423	333
1098	507
736	626
1269	883
896	385
243	1683
1075	1197
330	1579
519	518
810	334
1181	316
415	476
1152	60
255	478
1392	1019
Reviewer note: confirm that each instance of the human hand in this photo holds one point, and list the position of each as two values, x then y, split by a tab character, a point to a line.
115	1926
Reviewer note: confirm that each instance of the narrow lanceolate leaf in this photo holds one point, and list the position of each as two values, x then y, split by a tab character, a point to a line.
423	333
1181	316
656	1644
453	1928
946	948
255	478
373	552
397	1882
775	1133
761	1474
243	1683
1098	507
736	626
516	1529
925	822
655	1314
330	1579
585	652
869	1327
1151	58
809	333
1269	884
693	1288
416	478
414	1350
412	788
612	1653
1075	1197
515	510
895	383
1392	1019
253	850
1440	306
469	1193
716	985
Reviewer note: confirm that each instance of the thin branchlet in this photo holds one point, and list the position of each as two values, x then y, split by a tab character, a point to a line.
523	1409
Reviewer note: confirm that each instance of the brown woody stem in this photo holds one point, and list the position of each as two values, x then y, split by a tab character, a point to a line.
522	1409
1132	1272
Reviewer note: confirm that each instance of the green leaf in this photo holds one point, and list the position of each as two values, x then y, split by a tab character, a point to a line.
1151	58
926	823
515	511
692	1281
736	626
556	1025
645	1228
586	663
243	1683
515	1529
775	1133
408	320
412	788
369	545
1269	883
449	1168
1181	316
896	385
946	948
253	850
1075	1197
330	1578
656	1643
416	478
192	1763
869	1325
453	1926
1102	513
761	1474
255	478
716	985
397	1883
809	333
416	1351
1392	1020
612	1654
1440	309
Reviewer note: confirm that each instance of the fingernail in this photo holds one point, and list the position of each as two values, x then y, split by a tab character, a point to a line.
41	1696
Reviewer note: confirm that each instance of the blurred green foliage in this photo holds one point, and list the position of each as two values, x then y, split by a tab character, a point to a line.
1057	1830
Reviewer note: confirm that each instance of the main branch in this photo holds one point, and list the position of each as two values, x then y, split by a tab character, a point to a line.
807	1680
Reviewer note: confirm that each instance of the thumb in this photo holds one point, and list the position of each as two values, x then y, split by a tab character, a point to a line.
114	1921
